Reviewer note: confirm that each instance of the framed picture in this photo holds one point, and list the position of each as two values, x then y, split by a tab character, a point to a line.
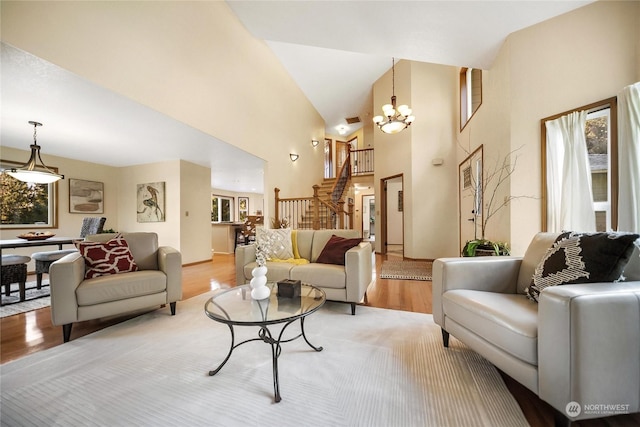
151	202
86	196
243	208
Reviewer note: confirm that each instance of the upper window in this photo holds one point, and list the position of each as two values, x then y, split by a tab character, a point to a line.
470	93
221	209
25	204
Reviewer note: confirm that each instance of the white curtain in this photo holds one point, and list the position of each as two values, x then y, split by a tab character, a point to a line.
569	198
629	159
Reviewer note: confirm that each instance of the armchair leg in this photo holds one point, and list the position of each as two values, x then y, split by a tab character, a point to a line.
559	420
172	305
66	332
353	308
445	338
39	280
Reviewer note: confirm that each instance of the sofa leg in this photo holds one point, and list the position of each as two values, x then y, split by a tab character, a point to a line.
39	280
445	338
172	305
66	332
353	308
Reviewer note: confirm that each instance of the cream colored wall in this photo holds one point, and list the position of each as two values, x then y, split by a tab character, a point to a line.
430	192
195	211
431	229
193	61
129	178
575	59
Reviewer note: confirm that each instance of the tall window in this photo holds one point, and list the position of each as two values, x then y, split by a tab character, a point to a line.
26	205
602	149
221	209
470	93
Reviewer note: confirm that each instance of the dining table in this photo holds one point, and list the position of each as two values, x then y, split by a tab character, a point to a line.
23	243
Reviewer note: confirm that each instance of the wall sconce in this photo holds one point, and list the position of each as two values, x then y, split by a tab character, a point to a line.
293	157
314	143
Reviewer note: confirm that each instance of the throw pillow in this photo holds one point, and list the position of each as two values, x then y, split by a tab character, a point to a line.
335	249
111	257
275	242
582	258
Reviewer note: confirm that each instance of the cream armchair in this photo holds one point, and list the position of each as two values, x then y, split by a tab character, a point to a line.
578	345
158	282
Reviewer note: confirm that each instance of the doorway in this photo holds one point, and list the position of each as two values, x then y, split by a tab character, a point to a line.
392	216
369	218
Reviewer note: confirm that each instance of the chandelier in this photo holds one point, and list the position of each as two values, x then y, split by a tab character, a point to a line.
396	119
28	172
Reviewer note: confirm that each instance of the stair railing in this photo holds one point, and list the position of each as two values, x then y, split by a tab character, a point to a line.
312	212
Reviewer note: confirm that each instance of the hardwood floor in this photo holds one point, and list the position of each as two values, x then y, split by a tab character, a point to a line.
30	332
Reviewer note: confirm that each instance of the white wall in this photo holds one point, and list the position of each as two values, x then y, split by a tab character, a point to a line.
195	212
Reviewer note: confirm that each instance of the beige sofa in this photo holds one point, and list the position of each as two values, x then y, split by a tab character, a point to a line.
158	282
346	283
579	344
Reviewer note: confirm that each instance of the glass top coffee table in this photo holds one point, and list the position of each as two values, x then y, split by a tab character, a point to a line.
235	307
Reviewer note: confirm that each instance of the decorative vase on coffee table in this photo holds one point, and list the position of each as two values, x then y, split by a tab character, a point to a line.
259	288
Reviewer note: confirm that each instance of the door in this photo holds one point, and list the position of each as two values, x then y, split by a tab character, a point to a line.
342	151
470	183
369	217
392	216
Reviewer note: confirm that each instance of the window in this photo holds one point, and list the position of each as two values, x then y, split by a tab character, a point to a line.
221	209
598	138
26	205
601	138
470	94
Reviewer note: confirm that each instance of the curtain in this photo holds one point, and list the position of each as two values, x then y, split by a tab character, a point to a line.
570	202
629	159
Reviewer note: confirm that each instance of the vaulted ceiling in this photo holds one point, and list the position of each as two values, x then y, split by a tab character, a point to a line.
334	50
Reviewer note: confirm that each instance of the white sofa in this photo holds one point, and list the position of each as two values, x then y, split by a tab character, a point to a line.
580	343
158	282
346	283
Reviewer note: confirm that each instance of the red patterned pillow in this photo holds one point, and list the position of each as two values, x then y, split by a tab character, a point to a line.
112	257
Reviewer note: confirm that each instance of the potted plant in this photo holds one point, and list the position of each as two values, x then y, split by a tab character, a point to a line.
487	192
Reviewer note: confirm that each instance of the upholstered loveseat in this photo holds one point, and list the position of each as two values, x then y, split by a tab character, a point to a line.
346	283
578	348
157	281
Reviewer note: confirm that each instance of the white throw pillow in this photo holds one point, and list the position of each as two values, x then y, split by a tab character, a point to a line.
277	240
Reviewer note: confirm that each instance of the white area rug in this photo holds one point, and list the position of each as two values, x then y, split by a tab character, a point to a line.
378	368
34	299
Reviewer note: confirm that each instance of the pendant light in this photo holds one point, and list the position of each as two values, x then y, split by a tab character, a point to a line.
28	172
396	119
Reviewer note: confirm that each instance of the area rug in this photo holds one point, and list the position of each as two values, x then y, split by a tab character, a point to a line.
378	368
406	270
34	299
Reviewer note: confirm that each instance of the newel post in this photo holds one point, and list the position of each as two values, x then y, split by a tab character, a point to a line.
316	207
277	206
350	214
340	213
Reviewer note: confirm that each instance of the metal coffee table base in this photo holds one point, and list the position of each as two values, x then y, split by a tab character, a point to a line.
265	335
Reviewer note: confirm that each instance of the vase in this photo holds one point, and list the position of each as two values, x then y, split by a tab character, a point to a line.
259	288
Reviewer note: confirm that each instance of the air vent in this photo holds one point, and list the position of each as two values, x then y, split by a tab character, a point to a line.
352	120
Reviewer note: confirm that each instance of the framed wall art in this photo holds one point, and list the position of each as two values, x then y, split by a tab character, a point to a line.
151	202
86	196
243	208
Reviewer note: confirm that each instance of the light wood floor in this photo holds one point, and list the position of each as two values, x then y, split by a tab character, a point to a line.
30	332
